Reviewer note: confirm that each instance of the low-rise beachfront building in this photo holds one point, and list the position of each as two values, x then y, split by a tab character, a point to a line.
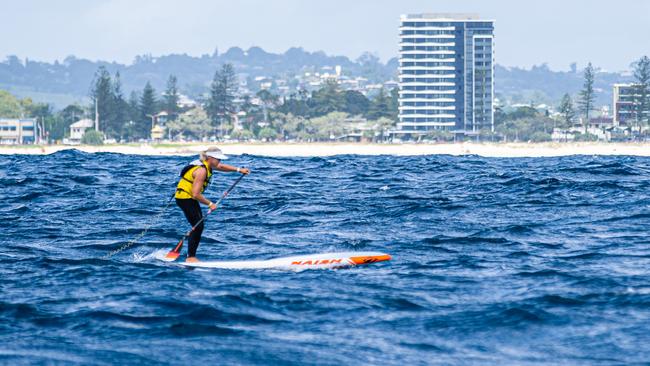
626	103
446	74
78	129
18	131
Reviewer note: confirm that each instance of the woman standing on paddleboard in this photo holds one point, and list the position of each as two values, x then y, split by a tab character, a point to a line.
195	178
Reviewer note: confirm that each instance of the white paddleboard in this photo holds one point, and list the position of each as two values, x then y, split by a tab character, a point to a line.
299	262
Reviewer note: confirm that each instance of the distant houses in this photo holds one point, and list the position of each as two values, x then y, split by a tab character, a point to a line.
624	122
186	102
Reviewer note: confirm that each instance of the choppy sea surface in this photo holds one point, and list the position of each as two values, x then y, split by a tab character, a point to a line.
495	261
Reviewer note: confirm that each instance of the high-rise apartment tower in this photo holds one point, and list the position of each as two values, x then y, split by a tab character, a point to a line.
446	73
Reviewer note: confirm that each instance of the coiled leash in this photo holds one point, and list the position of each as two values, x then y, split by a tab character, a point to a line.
144	232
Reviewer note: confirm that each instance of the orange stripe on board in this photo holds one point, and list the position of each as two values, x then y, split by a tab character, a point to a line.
370	259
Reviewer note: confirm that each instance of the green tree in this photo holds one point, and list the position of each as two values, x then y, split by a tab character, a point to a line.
371	66
382	126
67	116
120	113
193	123
566	110
295	106
147	108
130	128
585	137
171	97
393	106
103	101
242	134
293	125
223	89
540	136
92	137
326	100
499	116
268	133
525	124
9	105
278	123
72	113
380	106
355	103
267	97
36	110
587	95
55	127
522	112
440	135
329	126
642	95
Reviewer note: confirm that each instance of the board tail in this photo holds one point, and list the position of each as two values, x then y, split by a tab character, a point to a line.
367	259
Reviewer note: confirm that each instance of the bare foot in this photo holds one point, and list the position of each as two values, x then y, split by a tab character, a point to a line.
191	260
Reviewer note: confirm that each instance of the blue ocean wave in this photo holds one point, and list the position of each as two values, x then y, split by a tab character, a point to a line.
495	261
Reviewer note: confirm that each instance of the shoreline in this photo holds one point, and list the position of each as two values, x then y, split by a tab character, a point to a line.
503	150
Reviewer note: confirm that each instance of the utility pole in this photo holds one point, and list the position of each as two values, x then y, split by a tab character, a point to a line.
96	116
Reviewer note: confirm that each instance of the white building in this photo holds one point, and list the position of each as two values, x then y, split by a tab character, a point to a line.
78	129
446	73
186	102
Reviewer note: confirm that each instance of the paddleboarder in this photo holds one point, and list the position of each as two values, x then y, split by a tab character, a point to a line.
195	178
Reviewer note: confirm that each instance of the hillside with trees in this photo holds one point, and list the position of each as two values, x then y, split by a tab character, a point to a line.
72	76
63	82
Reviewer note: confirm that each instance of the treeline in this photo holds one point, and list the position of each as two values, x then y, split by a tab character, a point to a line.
221	113
129	119
224	112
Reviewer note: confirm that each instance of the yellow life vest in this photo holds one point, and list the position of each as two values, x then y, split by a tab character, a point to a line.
184	187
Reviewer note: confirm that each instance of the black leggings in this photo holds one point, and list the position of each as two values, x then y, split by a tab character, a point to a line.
193	214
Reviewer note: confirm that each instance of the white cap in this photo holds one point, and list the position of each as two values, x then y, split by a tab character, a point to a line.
216	153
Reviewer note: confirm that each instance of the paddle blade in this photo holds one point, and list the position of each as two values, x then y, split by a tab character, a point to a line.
174	253
171	256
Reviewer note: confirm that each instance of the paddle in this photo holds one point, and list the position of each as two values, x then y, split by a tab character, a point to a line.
175	253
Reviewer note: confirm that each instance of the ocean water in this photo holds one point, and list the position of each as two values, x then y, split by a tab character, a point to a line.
495	261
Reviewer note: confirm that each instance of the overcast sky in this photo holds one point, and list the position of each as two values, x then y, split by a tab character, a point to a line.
609	33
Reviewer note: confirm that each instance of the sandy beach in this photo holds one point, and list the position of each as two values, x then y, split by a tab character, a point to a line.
329	149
